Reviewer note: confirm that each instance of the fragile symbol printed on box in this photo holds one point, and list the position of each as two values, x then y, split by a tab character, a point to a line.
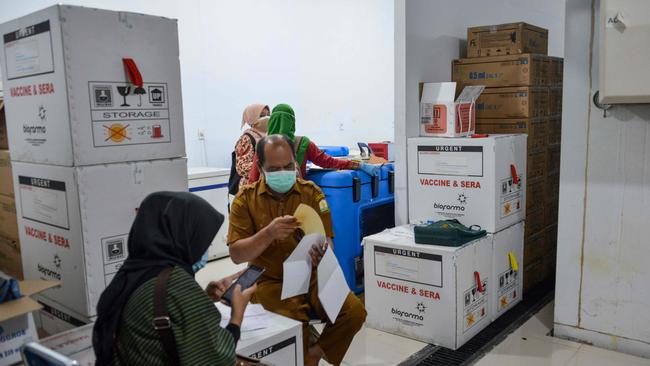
124	114
114	251
475	305
510	197
508	284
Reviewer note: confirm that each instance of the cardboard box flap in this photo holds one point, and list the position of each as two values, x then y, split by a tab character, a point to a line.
31	287
15	308
25	304
470	94
508	26
439	92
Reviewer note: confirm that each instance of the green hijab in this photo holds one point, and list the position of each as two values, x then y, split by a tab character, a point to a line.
283	122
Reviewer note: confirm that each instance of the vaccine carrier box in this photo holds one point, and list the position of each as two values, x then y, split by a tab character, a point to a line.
71	98
434	294
478	181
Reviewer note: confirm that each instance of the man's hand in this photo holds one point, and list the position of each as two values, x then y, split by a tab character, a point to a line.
282	227
316	253
216	289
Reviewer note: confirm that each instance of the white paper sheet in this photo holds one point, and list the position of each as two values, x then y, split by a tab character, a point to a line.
332	288
255	317
297	268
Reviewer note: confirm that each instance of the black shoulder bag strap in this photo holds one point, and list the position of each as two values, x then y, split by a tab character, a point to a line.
161	321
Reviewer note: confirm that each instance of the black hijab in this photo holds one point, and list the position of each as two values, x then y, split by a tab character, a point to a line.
170	229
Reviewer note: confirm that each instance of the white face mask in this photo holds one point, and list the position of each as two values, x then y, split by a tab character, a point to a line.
262	123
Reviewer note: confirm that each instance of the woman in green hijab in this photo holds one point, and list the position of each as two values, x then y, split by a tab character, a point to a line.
283	122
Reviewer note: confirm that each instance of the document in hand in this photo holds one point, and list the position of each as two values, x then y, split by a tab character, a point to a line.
297	268
255	317
332	288
309	220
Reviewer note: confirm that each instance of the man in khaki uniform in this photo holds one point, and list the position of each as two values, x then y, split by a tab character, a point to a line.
263	233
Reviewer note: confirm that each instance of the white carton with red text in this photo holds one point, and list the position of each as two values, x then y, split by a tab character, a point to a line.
478	181
427	292
74	221
70	98
507	278
441	116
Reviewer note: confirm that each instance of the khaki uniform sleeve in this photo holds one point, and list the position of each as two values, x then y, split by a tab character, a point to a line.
319	204
240	222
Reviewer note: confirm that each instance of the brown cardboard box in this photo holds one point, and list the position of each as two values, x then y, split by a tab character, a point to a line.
554	100
506	39
8	220
536	165
534	221
6	180
535	190
550	239
536	128
533	275
557	71
10	260
552	188
551	211
554	128
501	71
533	248
517	102
4	140
553	160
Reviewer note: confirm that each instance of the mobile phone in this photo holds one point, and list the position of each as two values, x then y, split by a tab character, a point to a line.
246	280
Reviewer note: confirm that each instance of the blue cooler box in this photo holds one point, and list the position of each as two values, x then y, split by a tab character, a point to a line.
360	206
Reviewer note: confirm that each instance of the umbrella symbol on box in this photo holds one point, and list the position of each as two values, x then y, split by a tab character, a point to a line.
139	91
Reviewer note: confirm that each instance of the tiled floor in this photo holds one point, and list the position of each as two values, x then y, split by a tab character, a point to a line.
529	345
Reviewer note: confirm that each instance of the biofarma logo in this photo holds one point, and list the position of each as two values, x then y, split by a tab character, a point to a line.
406	314
446	207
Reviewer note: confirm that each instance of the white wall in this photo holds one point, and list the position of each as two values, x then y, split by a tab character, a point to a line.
332	60
602	291
430	34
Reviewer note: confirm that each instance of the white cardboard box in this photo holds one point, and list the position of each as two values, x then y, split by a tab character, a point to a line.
17	322
74	221
75	344
54	318
468	179
212	185
507	277
279	344
441	116
427	292
61	69
14	333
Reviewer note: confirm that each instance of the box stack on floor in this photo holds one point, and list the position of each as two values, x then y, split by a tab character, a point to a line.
10	262
523	95
84	152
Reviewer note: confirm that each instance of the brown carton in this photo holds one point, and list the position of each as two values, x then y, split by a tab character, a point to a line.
556	71
553	160
554	129
10	260
4	140
550	234
554	100
533	275
506	39
502	71
533	248
518	102
536	165
534	221
8	220
552	188
535	189
536	128
551	213
6	180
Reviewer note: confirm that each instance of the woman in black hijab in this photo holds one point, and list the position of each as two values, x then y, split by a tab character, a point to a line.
171	229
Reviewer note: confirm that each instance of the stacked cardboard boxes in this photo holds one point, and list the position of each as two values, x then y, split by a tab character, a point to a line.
94	121
10	262
523	95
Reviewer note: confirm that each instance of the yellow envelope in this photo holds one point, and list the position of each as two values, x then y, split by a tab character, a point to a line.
309	220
